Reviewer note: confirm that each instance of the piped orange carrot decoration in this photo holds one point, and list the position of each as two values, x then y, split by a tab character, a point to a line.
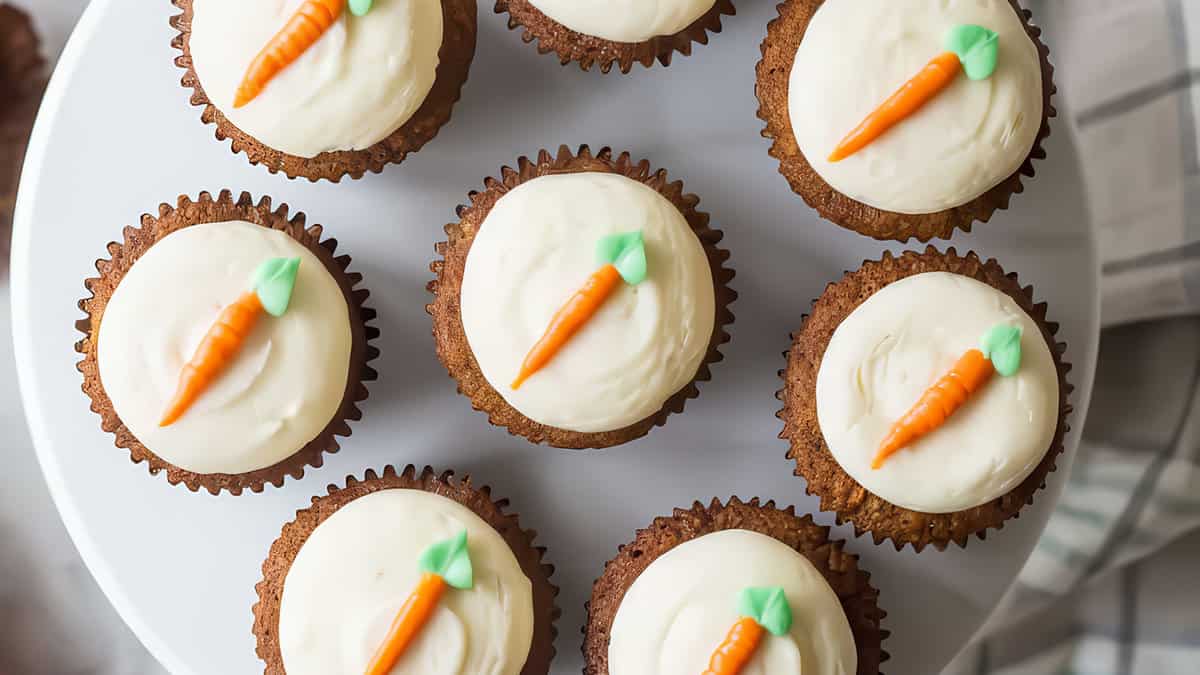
271	291
968	48
303	29
762	610
621	256
446	563
999	352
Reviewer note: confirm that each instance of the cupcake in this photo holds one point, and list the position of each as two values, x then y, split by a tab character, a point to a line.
905	118
226	343
580	298
419	572
619	33
716	588
925	398
325	88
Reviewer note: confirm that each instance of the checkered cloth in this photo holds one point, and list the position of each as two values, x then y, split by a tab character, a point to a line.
1111	588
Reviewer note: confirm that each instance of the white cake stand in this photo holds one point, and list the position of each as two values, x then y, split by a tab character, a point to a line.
117	136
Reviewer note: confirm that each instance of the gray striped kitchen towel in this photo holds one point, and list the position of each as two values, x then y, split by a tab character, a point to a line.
1112	587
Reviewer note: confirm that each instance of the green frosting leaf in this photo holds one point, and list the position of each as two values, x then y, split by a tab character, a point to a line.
360	7
767	606
977	48
1002	346
273	281
625	251
450	560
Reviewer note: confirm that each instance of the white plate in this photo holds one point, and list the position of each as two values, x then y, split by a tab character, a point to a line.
117	136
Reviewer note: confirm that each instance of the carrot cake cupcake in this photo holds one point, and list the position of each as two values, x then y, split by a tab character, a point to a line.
580	298
728	588
406	572
905	118
326	88
925	398
615	32
226	343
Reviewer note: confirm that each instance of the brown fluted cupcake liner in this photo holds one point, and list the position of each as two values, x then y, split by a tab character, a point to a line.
784	35
479	500
589	50
452	347
838	491
454	62
207	209
851	585
22	80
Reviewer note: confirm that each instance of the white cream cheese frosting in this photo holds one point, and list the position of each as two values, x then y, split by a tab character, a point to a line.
534	249
895	345
363	79
682	605
357	568
964	142
624	20
282	388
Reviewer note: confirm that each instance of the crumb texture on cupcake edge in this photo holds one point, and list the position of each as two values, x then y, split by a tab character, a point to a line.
223	207
825	478
480	500
588	50
452	348
778	49
852	586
